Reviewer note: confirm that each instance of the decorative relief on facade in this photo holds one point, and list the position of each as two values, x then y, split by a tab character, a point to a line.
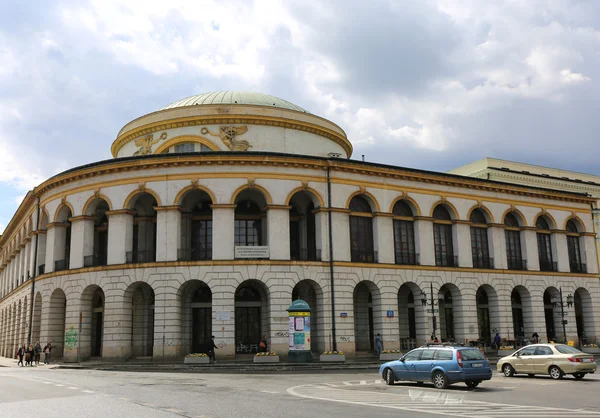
362	189
223	110
228	135
251	183
97	193
304	185
195	183
145	143
142	187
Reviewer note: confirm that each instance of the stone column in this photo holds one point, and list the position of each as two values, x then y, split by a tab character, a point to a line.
389	325
55	244
504	322
167	319
278	230
120	235
223	225
82	240
223	329
529	243
383	238
168	232
560	251
340	220
589	250
322	233
497	243
461	233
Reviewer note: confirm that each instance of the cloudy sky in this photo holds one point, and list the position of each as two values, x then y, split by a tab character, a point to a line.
431	84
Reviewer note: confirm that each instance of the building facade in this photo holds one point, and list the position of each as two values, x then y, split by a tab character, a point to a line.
221	209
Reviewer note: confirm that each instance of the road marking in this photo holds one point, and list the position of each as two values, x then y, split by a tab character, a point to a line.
59	385
47	383
175	411
72	388
88	391
429	402
268	391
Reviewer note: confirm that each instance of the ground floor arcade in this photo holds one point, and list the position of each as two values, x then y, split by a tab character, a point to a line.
170	311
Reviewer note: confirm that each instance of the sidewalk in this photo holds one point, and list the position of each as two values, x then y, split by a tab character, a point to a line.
370	364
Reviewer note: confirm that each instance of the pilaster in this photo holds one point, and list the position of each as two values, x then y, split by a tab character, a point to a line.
224	223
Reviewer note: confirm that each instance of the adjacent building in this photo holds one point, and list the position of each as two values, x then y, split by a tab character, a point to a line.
219	210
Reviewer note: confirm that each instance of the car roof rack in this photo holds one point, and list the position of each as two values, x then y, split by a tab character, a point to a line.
444	345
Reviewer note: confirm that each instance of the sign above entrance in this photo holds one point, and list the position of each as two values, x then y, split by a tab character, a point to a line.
252	251
223	316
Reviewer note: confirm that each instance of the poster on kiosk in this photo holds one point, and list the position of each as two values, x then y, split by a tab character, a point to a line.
299	331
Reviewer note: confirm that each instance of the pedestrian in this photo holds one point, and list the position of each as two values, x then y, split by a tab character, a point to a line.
29	355
47	353
378	344
263	344
535	338
37	353
497	341
20	354
211	349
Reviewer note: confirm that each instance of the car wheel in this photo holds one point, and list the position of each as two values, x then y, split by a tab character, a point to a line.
578	376
508	370
530	374
440	381
472	384
389	377
555	372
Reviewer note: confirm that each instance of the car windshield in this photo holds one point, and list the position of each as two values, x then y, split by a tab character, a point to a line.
565	349
472	354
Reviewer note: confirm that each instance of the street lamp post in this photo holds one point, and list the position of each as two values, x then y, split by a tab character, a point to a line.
432	302
556	302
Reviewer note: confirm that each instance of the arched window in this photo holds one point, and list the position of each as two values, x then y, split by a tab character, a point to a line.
248	224
575	263
512	235
404	234
361	231
544	245
189	147
479	240
442	237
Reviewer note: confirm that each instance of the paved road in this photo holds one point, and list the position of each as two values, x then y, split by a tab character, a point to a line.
35	392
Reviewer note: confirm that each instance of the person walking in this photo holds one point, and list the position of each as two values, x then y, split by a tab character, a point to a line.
497	341
20	354
378	344
29	355
535	338
37	353
47	353
211	349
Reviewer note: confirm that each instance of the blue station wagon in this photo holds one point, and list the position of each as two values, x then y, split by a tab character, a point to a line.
441	364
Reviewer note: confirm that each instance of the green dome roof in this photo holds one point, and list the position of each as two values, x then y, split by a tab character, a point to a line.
235	97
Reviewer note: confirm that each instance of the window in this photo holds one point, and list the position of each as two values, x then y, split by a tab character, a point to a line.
512	235
565	349
479	240
575	263
413	355
443	355
544	246
472	354
529	351
543	351
248	224
187	147
427	355
404	234
361	231
442	237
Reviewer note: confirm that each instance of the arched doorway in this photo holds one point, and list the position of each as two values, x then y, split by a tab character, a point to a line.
196	226
92	311
551	325
448	306
367	318
407	315
141	297
311	293
251	315
196	316
487	313
303	242
516	304
56	322
584	316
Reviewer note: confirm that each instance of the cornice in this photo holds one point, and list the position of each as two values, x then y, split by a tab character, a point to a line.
281	207
239	119
81	218
168	208
222	206
120	212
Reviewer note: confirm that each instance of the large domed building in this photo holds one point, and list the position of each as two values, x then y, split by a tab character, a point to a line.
220	209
